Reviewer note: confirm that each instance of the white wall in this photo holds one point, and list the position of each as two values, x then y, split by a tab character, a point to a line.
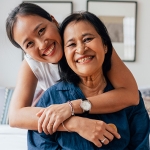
10	57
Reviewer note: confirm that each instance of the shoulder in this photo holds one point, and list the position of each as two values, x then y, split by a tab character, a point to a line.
61	86
34	63
55	94
26	72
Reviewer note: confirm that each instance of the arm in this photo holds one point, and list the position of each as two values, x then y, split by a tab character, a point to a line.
125	94
98	128
21	114
96	131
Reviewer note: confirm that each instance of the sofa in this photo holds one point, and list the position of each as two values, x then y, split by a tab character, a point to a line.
10	138
14	138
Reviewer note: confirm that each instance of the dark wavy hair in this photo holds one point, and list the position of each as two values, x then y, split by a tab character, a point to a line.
23	9
66	73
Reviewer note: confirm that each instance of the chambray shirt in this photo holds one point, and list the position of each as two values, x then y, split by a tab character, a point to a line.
132	124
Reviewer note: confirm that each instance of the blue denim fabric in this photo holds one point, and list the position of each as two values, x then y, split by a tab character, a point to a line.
132	124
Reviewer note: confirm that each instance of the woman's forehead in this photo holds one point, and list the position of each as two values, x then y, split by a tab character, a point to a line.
79	27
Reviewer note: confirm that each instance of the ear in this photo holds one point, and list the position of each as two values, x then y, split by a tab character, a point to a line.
54	20
105	49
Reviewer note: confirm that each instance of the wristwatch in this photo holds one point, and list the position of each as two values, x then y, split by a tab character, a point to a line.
85	105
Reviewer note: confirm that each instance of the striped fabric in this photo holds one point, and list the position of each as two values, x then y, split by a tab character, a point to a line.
7	98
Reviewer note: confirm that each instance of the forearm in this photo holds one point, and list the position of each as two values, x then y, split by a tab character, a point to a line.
108	102
21	114
121	78
70	124
24	118
111	101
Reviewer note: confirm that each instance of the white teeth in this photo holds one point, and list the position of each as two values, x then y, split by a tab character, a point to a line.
50	50
84	59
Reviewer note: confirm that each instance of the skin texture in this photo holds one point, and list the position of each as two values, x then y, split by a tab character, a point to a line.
22	115
83	49
41	41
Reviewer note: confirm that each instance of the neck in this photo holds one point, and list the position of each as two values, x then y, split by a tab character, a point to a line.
92	85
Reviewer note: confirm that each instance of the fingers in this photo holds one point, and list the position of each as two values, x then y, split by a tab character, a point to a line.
97	143
108	135
47	125
50	128
57	122
54	114
104	133
52	124
40	113
105	141
48	122
40	122
99	139
111	128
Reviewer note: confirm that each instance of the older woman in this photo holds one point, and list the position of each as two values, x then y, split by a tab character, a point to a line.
88	49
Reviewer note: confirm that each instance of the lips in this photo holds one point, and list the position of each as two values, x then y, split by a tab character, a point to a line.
49	50
84	59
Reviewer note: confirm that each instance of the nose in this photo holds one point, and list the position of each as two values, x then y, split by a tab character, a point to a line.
42	44
80	49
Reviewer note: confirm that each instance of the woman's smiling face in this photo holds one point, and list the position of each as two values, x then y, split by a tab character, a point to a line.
38	37
84	49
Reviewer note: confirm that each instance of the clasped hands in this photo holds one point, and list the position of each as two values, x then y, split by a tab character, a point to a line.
96	131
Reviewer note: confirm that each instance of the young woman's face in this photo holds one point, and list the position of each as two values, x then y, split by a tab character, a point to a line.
39	38
84	49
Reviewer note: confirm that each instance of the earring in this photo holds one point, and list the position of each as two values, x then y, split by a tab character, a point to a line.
105	50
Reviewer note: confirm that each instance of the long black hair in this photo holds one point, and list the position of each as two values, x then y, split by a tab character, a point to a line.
66	73
23	9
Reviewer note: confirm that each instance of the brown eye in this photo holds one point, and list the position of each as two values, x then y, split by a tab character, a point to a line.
29	44
87	40
71	45
41	31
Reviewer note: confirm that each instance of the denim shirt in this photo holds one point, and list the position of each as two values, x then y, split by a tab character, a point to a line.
132	124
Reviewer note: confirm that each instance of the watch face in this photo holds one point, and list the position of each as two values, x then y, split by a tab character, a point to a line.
86	105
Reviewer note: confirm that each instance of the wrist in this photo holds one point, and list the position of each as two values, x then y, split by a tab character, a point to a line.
72	124
85	105
76	106
71	108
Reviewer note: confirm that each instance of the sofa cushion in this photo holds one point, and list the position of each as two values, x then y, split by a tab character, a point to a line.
2	100
7	94
5	98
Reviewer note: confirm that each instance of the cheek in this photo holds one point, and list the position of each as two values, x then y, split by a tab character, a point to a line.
69	57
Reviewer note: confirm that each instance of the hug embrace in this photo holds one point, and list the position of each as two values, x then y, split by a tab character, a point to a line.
94	90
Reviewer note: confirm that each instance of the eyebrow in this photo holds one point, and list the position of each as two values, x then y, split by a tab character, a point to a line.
33	31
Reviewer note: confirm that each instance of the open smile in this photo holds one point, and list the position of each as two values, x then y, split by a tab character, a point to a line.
84	59
49	50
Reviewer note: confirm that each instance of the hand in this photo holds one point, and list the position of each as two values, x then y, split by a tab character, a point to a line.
51	117
96	131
